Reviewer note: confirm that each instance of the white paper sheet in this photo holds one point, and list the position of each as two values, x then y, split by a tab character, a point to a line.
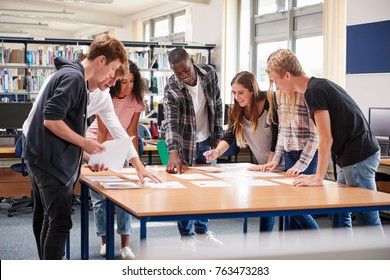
119	185
208	168
289	181
115	154
265	174
211	184
127	170
167	185
104	178
191	176
136	178
158	168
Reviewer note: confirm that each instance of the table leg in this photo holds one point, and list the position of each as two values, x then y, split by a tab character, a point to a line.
84	208
110	240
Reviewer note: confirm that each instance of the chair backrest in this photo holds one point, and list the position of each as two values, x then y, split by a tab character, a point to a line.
140	146
19	167
144	132
163	152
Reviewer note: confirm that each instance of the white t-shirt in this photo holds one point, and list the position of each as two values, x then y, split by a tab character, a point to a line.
201	113
99	103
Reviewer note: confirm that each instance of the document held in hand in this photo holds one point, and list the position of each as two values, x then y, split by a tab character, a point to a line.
115	154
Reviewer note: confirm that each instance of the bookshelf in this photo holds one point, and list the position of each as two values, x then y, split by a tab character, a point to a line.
30	60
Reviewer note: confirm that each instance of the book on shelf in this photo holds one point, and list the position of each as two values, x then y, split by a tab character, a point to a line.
119	185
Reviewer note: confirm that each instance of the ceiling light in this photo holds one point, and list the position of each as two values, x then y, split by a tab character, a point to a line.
34	12
21	24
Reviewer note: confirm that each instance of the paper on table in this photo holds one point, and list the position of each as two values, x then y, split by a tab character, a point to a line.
211	184
289	181
136	178
119	185
208	168
127	170
191	176
104	178
167	185
115	154
264	174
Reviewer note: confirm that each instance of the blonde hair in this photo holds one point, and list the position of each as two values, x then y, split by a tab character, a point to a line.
236	113
280	62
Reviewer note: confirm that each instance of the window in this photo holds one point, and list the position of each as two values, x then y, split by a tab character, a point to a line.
280	24
167	28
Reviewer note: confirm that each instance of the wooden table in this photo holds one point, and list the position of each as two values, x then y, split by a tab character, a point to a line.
385	161
7	152
238	201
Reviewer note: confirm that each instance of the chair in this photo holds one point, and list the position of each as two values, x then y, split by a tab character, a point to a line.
144	132
20	168
163	152
140	146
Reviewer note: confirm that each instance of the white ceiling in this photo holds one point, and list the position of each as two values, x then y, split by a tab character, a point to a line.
71	18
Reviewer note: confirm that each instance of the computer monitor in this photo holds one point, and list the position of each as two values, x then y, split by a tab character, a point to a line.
378	119
13	114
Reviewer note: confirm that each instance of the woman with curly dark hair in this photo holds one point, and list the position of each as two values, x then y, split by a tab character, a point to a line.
127	97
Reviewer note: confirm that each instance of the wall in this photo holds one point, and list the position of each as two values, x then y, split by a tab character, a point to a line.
368	90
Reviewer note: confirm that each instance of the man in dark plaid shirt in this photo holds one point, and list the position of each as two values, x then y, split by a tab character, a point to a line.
193	124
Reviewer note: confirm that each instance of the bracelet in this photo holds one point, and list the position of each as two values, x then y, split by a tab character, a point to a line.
219	152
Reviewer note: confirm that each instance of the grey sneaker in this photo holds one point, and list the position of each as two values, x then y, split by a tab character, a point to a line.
208	238
188	245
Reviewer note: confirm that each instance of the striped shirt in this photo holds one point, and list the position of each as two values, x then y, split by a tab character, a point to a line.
298	133
179	114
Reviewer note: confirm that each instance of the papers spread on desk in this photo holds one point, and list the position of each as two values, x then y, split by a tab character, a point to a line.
104	178
238	166
210	184
289	181
158	168
136	178
207	168
191	176
115	154
127	170
167	185
119	185
265	174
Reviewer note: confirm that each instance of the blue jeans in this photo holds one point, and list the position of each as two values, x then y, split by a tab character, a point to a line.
201	226
290	158
361	175
52	212
123	218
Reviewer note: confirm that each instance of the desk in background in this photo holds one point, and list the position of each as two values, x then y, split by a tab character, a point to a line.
238	201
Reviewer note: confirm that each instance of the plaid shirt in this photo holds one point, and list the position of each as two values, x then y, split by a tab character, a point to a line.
299	133
179	114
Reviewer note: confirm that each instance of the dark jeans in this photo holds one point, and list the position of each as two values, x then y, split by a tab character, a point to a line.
52	213
201	226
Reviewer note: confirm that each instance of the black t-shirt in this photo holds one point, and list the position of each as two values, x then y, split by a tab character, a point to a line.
353	140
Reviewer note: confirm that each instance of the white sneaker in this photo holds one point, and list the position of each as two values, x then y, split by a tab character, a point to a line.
103	250
208	238
127	254
188	245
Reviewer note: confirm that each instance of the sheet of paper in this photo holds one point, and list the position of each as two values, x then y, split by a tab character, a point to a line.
119	185
104	178
136	178
238	166
115	154
127	170
167	185
233	174
211	184
289	181
265	174
158	168
191	176
207	168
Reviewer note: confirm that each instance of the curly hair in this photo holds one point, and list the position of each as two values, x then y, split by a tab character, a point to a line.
138	87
